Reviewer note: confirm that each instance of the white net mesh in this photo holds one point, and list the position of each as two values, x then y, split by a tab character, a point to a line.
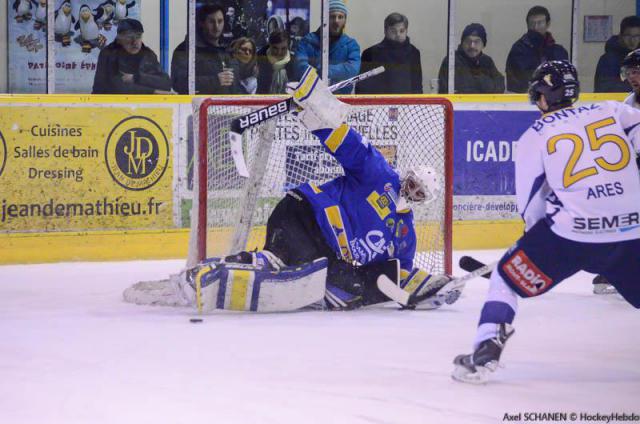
282	154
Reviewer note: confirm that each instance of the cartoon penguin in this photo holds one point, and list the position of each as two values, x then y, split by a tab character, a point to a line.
23	10
104	14
62	24
41	15
122	9
90	36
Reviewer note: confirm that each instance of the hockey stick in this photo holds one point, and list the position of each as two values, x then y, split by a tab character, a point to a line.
404	298
471	264
240	124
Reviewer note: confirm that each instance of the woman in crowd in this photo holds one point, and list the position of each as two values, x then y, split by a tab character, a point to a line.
243	49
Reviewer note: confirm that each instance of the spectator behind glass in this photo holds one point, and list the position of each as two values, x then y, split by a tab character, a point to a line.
475	72
344	51
127	66
244	51
533	48
401	59
275	67
298	28
607	79
216	71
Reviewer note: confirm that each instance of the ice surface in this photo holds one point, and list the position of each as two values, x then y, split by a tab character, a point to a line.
71	351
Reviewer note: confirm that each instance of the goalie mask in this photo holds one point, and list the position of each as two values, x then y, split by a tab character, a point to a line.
420	184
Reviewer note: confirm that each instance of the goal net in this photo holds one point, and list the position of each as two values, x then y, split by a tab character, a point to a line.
230	212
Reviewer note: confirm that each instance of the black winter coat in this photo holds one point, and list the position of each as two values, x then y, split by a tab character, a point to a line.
472	75
210	61
113	61
403	69
527	54
265	71
607	79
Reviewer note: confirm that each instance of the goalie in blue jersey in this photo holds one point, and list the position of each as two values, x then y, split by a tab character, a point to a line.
328	244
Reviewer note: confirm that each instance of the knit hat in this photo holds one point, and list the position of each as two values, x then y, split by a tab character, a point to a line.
130	25
477	30
337	6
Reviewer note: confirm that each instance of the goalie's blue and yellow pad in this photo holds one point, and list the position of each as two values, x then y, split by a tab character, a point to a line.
243	287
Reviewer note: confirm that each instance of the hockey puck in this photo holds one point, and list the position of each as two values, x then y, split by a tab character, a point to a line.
195	320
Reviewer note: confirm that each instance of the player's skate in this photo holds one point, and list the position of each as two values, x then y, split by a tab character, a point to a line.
475	367
320	108
602	286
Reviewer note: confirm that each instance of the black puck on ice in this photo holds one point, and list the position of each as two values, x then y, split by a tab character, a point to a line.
195	320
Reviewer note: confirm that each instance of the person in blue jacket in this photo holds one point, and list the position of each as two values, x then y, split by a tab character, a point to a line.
362	221
532	49
344	51
608	79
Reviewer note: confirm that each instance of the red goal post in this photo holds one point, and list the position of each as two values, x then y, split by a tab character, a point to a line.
229	212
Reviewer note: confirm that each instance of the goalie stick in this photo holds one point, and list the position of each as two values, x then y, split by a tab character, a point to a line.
471	264
404	298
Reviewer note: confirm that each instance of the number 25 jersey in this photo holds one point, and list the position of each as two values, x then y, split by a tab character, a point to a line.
576	167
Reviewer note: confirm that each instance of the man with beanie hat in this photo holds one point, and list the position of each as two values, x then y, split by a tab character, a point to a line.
344	51
401	59
127	66
533	48
475	72
607	79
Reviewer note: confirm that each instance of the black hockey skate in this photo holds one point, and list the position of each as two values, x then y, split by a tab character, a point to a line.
475	368
602	286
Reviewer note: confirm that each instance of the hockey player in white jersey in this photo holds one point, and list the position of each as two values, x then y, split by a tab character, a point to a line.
578	191
371	201
630	71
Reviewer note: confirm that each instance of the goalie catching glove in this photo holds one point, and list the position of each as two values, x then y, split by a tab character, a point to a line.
319	107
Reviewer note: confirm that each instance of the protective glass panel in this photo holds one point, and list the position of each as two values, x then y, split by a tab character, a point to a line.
514	45
600	47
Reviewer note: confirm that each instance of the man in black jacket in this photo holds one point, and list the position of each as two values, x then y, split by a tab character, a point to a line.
475	72
400	58
607	79
127	66
216	71
533	48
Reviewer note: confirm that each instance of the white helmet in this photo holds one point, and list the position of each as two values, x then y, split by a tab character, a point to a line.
421	184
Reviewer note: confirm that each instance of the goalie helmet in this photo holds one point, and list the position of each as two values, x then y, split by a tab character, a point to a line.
420	184
558	81
631	61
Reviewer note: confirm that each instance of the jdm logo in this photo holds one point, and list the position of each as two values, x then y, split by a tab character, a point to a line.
137	153
3	153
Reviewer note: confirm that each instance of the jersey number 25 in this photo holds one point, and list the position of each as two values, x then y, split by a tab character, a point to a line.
569	177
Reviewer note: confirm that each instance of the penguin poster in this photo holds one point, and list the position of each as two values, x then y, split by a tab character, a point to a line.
81	29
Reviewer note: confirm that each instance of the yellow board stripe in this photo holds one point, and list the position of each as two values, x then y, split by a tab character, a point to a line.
337	224
337	137
239	280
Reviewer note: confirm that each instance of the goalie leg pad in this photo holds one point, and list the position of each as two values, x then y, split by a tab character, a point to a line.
242	287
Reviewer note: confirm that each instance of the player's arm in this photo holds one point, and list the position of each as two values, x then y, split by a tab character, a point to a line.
629	118
532	188
324	115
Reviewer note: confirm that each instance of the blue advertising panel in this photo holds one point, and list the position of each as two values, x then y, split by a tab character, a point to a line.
484	150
